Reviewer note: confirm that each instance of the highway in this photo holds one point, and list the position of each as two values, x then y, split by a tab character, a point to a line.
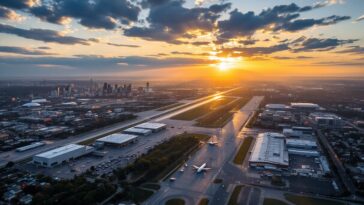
14	156
191	186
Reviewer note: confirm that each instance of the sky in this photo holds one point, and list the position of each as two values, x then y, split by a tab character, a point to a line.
181	39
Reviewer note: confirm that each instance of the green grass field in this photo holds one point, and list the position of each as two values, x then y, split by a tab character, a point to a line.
233	200
202	109
203	201
175	202
305	200
270	201
243	151
169	106
219	117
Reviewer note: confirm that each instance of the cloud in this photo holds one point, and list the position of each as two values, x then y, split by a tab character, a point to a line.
123	45
8	14
353	50
341	63
105	14
92	62
18	4
278	18
44	47
189	53
44	35
170	22
304	44
360	18
254	51
24	51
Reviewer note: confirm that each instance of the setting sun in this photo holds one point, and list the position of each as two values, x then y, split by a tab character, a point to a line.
227	63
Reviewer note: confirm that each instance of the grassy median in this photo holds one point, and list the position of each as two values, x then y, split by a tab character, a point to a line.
271	201
243	150
233	200
169	106
219	117
202	109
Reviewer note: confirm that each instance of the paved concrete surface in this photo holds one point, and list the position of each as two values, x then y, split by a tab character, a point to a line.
192	186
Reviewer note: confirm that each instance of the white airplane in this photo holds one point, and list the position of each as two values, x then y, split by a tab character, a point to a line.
212	142
201	168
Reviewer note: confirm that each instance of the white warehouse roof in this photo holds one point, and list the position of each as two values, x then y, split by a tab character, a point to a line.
117	138
151	125
305	105
138	130
31	104
276	106
270	148
60	151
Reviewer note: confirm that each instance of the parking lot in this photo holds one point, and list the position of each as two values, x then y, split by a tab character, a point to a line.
113	157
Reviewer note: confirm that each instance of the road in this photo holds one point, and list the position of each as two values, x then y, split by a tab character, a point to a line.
14	156
340	168
191	186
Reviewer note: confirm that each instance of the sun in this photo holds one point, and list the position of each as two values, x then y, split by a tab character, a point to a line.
225	63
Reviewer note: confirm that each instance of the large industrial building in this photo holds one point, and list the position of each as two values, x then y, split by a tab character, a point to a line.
326	120
118	139
155	127
269	151
305	107
298	132
60	155
301	144
137	131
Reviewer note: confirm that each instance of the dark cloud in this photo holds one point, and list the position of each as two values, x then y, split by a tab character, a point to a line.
85	62
189	53
7	13
254	51
44	47
17	4
104	14
200	43
169	21
301	24
342	63
289	58
123	45
248	42
353	50
278	18
24	51
316	44
44	35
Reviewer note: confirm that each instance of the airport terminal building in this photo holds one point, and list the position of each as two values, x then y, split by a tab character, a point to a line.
155	127
118	139
269	151
60	155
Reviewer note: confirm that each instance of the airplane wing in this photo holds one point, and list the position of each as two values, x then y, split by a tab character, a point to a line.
206	169
194	166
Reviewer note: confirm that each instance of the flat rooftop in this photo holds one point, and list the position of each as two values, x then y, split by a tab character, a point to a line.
270	148
138	130
305	105
150	125
299	142
117	138
60	151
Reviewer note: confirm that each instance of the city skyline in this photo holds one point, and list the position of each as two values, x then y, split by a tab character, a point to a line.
168	39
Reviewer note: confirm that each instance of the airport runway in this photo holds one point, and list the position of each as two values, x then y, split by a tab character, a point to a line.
192	186
14	156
